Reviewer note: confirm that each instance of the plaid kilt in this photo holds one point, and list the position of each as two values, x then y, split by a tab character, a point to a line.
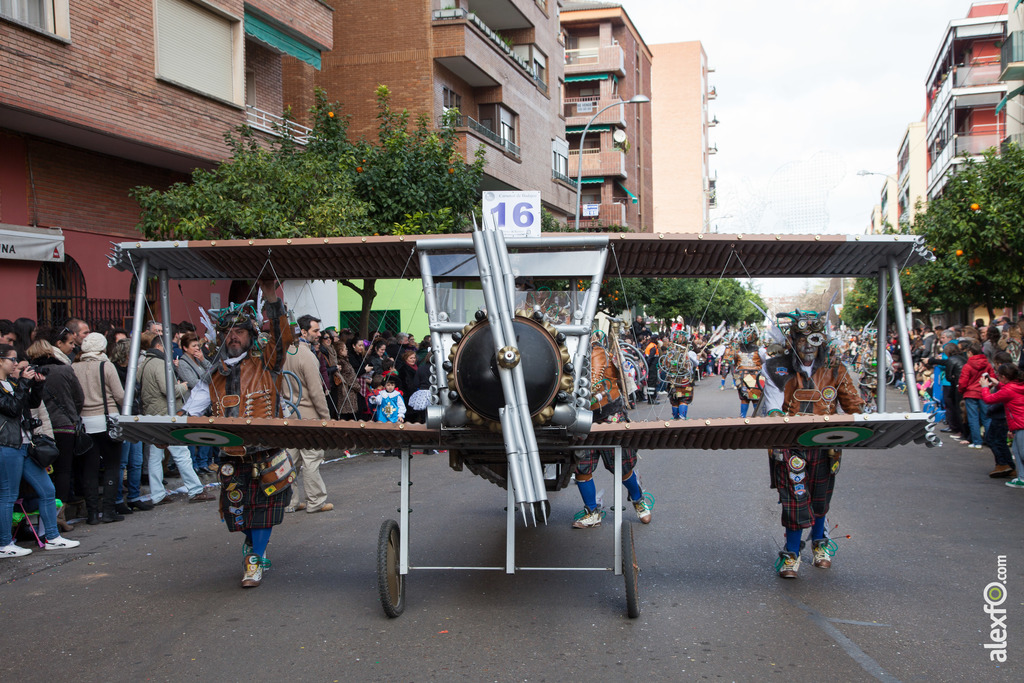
586	461
243	503
680	395
804	491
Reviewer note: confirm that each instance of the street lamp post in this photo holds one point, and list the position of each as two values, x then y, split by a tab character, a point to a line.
636	99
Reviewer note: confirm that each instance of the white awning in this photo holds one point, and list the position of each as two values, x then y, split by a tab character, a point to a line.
24	243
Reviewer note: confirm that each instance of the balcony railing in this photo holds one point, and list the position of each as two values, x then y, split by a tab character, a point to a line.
607	214
606	58
974	145
276	125
485	132
579	110
458	14
1011	57
557	175
976	74
939	102
598	162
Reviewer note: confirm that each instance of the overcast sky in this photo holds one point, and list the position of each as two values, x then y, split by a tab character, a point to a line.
809	93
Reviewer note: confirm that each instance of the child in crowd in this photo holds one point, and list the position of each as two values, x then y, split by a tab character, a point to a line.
1004	395
390	407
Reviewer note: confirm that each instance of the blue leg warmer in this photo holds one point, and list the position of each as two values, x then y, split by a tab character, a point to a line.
632	485
588	490
793	540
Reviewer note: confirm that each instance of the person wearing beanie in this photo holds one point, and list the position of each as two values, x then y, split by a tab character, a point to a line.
103	394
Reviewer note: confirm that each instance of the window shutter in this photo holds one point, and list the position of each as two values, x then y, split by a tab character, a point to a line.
195	48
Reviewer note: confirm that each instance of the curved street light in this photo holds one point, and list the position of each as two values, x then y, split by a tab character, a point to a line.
636	99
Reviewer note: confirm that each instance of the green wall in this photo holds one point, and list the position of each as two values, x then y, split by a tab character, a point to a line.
403	297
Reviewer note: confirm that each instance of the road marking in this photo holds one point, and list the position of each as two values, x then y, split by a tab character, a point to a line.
858	623
869	665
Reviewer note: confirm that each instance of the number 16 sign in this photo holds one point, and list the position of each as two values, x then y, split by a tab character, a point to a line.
517	214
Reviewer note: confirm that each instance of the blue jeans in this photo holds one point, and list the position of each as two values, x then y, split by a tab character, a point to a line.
977	417
202	456
131	459
15	465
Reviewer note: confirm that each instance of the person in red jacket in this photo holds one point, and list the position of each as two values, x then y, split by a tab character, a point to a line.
1009	390
977	366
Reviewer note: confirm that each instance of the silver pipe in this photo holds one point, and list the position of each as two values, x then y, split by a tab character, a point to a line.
883	325
511	425
430	302
529	453
589	311
535	469
901	330
165	316
136	339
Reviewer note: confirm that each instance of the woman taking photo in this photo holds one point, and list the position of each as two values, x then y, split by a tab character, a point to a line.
105	452
20	391
63	396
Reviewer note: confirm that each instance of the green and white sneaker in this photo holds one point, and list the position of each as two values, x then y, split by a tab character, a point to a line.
588	519
788	564
253	571
1016	483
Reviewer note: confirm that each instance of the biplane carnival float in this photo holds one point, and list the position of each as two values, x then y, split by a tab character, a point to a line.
515	373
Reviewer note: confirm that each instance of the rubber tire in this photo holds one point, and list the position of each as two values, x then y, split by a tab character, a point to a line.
630	572
390	583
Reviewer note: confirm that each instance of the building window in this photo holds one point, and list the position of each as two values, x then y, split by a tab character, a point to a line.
452	99
50	16
199	49
500	120
60	292
250	88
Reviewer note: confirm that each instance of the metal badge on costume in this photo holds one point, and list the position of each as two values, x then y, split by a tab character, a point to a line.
277	474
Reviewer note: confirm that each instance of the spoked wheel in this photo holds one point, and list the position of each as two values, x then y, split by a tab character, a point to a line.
630	572
390	582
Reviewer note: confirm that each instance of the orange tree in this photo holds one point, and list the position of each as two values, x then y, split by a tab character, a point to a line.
408	181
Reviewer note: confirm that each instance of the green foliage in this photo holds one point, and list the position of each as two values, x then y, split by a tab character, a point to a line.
277	192
410	182
974	230
408	177
702	299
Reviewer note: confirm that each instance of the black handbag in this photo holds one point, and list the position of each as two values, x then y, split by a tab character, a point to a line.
113	426
83	442
43	450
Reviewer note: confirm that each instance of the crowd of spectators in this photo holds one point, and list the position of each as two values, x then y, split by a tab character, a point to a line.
73	377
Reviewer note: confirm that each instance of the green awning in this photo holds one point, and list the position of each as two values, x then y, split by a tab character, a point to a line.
593	181
1009	96
586	77
632	196
579	129
263	31
1017	5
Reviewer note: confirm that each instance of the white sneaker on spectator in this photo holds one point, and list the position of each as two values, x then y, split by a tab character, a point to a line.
60	543
14	551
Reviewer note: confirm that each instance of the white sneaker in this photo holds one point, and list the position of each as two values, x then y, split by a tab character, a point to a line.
60	543
588	519
253	571
14	551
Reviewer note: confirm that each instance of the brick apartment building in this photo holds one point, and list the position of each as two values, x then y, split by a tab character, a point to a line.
608	62
101	97
684	187
499	62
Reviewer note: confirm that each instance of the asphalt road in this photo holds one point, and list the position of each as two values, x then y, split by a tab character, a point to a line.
157	597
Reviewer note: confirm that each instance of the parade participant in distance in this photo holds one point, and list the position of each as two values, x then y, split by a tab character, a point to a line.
746	360
255	482
806	380
608	406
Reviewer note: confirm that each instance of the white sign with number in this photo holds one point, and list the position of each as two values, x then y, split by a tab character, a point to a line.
591	210
516	214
